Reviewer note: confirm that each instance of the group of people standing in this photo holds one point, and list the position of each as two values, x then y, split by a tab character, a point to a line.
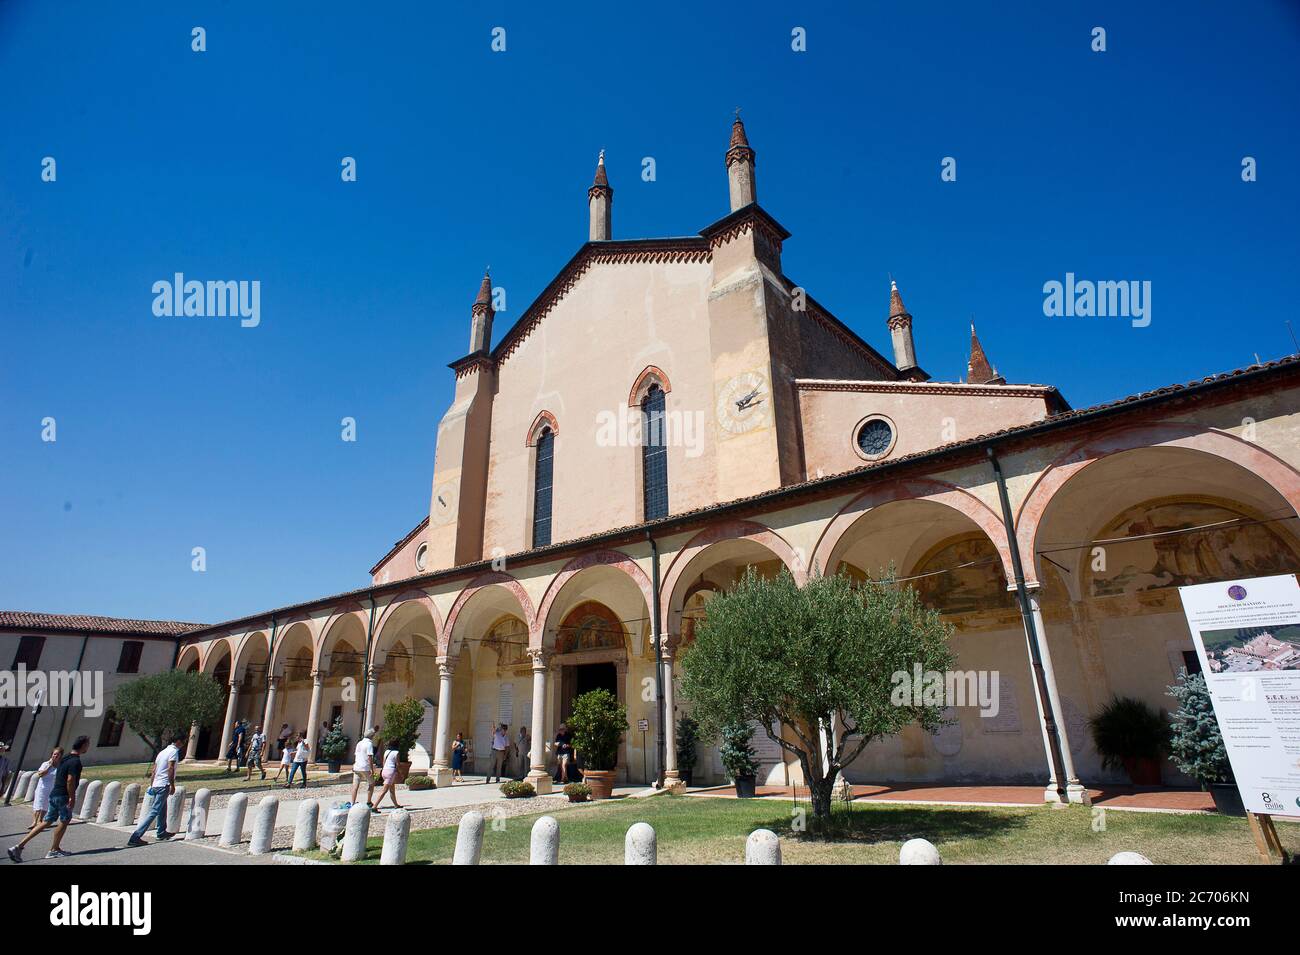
510	756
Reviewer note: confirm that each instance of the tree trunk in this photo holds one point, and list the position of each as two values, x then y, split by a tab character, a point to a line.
821	791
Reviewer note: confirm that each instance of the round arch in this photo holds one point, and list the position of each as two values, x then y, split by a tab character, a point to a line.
566	581
493	591
411	613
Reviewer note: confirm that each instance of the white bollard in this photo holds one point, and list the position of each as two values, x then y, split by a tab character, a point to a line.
32	782
762	848
81	794
354	835
264	826
90	799
175	810
639	846
126	811
469	839
1129	858
197	825
544	848
24	784
108	803
919	852
397	833
304	830
232	832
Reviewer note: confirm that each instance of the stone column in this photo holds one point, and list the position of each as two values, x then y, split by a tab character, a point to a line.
313	712
537	774
1074	790
672	777
192	746
624	769
442	743
268	712
232	704
372	689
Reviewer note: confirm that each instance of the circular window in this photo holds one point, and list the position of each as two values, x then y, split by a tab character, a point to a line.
875	438
421	555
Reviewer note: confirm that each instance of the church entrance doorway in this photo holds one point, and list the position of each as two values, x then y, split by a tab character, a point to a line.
584	678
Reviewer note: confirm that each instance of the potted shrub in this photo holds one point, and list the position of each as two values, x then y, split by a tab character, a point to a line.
738	758
578	792
597	724
517	789
688	734
335	746
1131	734
419	783
401	731
1196	745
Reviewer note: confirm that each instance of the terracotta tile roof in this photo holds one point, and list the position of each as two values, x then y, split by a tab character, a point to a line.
826	485
26	620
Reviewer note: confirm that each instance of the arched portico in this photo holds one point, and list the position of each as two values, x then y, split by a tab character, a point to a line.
403	663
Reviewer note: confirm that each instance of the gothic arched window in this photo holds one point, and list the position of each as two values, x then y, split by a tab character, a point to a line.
543	480
654	454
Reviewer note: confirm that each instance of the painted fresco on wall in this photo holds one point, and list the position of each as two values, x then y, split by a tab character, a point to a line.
590	626
509	638
1250	550
971	578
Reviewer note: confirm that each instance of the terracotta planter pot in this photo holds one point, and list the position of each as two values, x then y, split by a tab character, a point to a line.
1142	770
601	782
403	770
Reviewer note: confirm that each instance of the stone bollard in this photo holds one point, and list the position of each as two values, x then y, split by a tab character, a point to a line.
126	811
919	852
304	830
639	846
397	833
81	794
108	803
175	810
232	831
90	799
264	826
469	839
24	784
762	848
545	846
32	782
354	835
1129	858
197	825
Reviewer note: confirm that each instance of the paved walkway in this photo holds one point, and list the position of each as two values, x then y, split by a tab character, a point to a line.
98	845
1112	797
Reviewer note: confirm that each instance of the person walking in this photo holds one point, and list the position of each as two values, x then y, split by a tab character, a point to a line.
283	739
63	800
391	757
500	753
300	756
524	745
235	749
458	758
256	746
44	786
363	768
286	760
161	786
563	753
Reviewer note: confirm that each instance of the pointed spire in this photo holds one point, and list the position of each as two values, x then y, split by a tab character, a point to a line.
740	167
898	314
600	179
600	205
900	335
480	322
978	370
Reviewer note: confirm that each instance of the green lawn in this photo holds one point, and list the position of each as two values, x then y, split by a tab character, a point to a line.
704	830
198	777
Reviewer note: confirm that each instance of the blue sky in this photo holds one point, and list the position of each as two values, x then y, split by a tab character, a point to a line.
175	433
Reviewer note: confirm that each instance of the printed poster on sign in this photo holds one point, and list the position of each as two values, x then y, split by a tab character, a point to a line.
1247	635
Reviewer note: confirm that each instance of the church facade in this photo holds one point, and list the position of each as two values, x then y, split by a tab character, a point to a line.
669	412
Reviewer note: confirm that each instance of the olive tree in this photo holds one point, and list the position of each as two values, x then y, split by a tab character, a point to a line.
815	662
154	706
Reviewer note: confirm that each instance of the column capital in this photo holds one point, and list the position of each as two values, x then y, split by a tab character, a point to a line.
274	682
234	686
446	666
540	657
317	677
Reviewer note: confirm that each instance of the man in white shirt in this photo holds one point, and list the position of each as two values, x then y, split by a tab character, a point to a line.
300	756
363	767
500	753
161	785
